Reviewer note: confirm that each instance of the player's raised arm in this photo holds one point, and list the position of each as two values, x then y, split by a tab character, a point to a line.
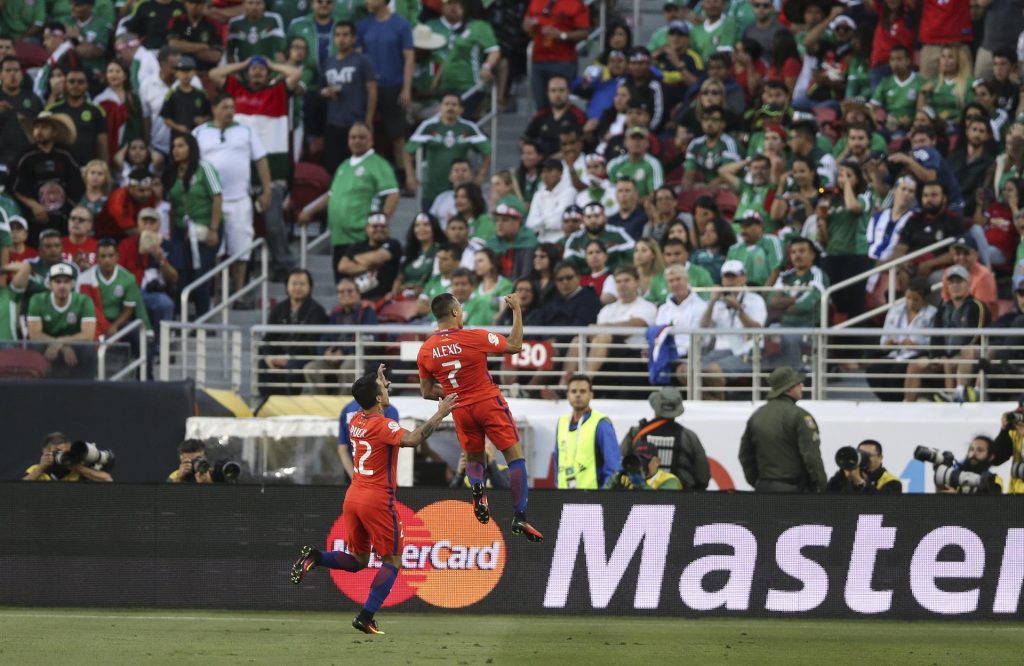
514	342
420	434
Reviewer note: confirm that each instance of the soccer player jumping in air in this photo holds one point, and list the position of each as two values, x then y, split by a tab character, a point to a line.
369	509
455	359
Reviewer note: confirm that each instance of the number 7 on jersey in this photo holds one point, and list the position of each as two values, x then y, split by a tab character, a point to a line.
455	367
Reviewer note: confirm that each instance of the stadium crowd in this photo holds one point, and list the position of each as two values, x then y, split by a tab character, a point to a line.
720	176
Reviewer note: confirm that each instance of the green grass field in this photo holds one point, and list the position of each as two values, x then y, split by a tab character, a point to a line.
89	636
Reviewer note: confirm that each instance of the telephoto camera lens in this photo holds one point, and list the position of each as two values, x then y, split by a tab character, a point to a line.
934	456
226	471
849	458
201	466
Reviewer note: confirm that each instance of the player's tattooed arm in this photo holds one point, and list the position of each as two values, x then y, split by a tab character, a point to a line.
420	434
514	342
430	389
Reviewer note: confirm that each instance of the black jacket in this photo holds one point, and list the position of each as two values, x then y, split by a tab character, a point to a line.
309	313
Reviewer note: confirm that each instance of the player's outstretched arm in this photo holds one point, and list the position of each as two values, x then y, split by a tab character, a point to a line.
430	389
514	342
420	434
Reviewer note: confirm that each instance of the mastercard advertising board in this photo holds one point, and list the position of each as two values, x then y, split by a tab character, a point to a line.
449	560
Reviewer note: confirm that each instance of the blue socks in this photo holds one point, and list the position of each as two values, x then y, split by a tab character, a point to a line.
518	480
474	472
380	588
339	559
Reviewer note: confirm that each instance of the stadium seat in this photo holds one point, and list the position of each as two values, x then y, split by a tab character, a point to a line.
727	202
688	197
30	55
23	364
309	181
397	311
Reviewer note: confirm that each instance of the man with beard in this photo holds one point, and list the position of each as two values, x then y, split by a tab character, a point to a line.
931	224
558	116
90	120
16	103
595	227
47	179
979	460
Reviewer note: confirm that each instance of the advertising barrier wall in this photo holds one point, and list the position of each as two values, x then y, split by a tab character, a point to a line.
724	554
141	422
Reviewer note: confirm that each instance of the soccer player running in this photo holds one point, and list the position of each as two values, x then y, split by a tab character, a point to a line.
455	359
369	509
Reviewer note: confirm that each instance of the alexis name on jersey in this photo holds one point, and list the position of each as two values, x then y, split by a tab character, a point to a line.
442	351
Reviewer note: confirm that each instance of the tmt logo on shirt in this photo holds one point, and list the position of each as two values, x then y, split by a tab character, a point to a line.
340	77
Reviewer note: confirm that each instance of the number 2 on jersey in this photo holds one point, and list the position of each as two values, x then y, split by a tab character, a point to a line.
362	459
456	366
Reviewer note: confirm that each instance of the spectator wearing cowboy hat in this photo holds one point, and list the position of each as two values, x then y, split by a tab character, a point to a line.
678	449
781	448
47	180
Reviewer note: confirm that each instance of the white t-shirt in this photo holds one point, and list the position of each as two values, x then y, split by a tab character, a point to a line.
619	312
723	318
232	152
685	315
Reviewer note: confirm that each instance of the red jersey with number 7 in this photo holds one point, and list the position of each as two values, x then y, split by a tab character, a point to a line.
457	359
375	443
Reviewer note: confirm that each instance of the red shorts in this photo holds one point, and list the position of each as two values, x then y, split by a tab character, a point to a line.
373	525
490	417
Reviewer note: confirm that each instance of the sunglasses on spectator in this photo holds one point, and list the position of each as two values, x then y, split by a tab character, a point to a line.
569	277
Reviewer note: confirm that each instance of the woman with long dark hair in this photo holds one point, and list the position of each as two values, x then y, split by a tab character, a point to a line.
122	106
470	204
492	285
531	154
194	192
545	257
421	242
715	241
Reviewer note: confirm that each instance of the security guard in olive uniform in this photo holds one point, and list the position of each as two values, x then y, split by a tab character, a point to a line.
873	479
781	449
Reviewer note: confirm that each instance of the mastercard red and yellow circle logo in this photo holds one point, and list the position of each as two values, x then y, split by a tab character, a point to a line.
448	558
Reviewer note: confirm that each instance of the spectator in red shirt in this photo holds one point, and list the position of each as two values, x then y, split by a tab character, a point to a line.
79	246
20	250
943	23
117	219
893	29
555	26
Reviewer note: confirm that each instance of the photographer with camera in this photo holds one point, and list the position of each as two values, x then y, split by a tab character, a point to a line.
971	476
191	456
678	448
195	467
62	461
861	471
1008	444
641	471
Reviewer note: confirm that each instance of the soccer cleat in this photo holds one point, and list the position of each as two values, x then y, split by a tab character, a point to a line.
367	627
480	506
520	526
304	564
970	395
944	396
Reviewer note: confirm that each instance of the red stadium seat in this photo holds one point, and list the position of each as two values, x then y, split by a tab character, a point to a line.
727	202
30	55
689	197
23	364
397	311
309	182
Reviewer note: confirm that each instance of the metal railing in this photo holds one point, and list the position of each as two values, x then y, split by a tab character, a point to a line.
227	299
106	343
889	267
210	354
306	246
839	362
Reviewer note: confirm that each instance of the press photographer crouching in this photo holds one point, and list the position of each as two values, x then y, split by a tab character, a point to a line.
64	461
969	476
1008	444
861	471
194	467
640	471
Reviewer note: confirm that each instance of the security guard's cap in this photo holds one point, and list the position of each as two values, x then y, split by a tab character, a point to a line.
782	379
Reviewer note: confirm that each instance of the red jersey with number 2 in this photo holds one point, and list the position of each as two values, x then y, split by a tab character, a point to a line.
375	443
457	359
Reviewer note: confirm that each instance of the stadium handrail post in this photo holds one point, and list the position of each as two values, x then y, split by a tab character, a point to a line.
105	343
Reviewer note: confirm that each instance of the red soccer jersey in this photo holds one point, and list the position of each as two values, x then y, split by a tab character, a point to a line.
945	22
29	253
565	16
72	250
375	441
457	359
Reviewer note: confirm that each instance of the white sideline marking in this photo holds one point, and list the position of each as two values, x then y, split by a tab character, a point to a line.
189	618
